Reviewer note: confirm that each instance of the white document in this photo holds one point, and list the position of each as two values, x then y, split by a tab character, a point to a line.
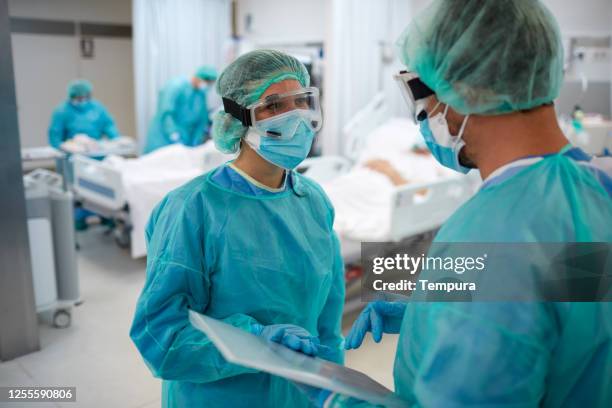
245	349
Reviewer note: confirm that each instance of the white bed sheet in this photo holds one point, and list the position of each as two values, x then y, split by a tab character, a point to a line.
147	180
362	198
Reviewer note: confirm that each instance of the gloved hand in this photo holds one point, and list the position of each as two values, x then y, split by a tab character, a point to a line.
378	317
291	336
86	142
71	146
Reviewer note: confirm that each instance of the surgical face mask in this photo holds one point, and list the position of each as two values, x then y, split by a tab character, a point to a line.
205	85
292	140
444	146
80	103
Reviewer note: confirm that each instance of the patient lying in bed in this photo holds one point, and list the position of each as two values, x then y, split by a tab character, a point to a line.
386	168
393	157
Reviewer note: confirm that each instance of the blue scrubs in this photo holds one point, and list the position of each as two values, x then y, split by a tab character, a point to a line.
91	119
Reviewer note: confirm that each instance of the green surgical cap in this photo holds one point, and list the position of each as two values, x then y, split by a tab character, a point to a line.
244	81
206	73
486	57
79	88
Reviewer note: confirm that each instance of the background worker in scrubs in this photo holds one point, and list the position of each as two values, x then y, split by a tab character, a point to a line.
495	68
80	115
77	123
250	243
182	111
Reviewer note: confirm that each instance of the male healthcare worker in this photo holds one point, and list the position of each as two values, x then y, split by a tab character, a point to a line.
80	115
182	111
493	69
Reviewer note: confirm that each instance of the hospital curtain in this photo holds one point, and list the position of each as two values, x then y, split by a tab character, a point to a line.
360	61
172	38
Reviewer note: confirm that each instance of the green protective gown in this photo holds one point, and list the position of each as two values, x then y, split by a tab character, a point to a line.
243	259
515	354
182	112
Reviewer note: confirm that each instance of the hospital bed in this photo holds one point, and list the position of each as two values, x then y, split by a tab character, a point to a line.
127	190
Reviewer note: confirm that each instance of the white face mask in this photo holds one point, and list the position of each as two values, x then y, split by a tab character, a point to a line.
205	85
444	146
80	104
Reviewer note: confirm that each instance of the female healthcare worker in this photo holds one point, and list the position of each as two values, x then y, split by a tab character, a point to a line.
250	243
493	70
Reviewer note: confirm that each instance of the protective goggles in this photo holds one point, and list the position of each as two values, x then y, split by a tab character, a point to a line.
80	98
415	92
258	114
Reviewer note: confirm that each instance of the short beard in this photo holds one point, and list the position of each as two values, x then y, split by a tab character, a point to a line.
465	161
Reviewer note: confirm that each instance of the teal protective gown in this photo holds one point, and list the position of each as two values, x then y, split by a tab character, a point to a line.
515	354
91	119
216	247
182	111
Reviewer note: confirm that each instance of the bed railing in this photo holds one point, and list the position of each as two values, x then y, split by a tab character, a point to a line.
99	183
357	130
417	208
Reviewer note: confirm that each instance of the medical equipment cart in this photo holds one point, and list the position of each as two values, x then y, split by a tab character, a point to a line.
52	246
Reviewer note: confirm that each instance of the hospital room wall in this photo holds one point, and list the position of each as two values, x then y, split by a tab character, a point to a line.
45	63
360	63
586	18
574	17
259	24
267	27
589	16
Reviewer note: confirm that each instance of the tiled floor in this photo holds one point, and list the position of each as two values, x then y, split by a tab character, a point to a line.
96	355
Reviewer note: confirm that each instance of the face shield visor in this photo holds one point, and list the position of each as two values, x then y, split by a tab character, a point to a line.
415	93
275	108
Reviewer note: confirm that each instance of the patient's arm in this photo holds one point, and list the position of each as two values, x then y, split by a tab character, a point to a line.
384	167
420	150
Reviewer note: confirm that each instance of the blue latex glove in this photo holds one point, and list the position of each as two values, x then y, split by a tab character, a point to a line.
378	317
291	336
